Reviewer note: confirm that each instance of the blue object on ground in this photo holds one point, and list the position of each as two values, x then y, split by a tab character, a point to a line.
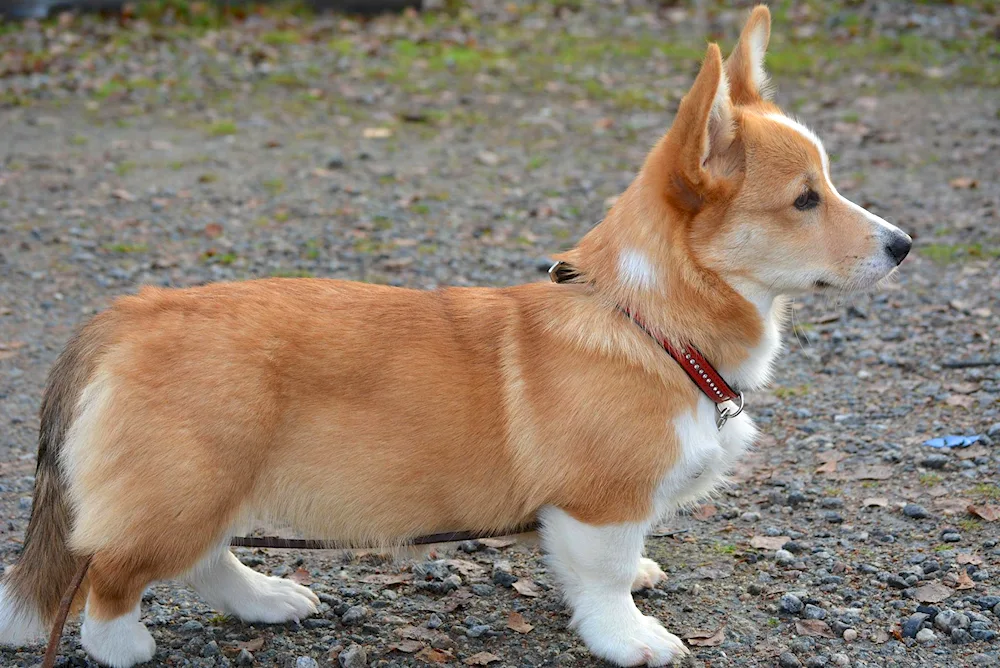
953	441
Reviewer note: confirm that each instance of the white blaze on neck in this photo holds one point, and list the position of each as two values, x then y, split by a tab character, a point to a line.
635	270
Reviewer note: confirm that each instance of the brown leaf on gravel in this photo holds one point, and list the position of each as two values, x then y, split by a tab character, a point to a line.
123	195
951	505
416	633
469	569
768	542
990	513
813	627
933	592
251	645
964	388
431	655
961	401
963	183
706	638
527	588
515	622
875	472
877	501
498	543
213	230
407	646
829	460
481	659
301	576
704	512
964	581
972	452
387	579
964	558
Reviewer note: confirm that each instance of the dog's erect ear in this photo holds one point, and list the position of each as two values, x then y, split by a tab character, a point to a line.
699	141
748	82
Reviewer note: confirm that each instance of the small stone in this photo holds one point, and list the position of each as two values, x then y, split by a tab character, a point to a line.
796	499
896	582
936	461
994	430
791	604
814	612
335	161
987	602
316	623
354	615
244	658
833	517
850	635
24	502
192	626
750	517
946	620
478	630
306	662
788	660
931	566
353	657
784	557
482	589
210	649
915	511
840	659
818	661
502	575
926	636
911	627
960	636
951	537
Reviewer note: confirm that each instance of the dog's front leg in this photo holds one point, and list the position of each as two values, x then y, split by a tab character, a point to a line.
596	567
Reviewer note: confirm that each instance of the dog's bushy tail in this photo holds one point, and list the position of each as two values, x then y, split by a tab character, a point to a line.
31	591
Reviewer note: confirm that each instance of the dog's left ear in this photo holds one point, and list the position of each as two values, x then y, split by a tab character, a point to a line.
748	81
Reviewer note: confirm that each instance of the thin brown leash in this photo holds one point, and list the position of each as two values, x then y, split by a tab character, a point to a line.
55	635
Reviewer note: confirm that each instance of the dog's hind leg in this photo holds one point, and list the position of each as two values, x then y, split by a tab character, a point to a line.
231	587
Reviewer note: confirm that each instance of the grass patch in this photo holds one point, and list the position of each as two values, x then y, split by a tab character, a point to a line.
222	128
951	253
274	186
124	168
127	248
930	479
987	491
292	273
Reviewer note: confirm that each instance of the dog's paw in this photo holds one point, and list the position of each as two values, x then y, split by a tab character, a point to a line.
275	601
650	574
637	641
120	643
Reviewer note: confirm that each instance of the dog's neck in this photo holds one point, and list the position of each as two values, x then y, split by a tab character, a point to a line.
647	268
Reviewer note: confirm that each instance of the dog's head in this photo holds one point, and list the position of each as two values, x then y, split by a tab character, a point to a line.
755	189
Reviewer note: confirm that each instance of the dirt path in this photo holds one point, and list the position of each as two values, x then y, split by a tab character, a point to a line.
462	150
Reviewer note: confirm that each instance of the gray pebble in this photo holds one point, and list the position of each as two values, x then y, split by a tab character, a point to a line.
814	612
784	557
946	620
915	511
925	636
951	537
353	657
244	658
210	649
791	604
936	461
306	662
912	625
960	636
354	615
788	660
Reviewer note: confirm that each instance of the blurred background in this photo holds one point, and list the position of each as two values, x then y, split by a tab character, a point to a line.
460	142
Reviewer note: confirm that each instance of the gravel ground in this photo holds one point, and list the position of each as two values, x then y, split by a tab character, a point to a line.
173	148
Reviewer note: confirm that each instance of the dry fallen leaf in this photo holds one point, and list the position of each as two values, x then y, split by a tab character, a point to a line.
963	182
301	576
123	195
704	512
933	592
952	505
251	645
964	388
527	588
376	133
829	460
706	638
960	400
407	646
481	659
813	627
964	558
990	513
498	543
878	501
768	542
964	581
213	230
515	622
469	569
431	655
387	579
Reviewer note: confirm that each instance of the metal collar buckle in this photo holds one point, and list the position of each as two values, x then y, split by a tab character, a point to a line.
725	411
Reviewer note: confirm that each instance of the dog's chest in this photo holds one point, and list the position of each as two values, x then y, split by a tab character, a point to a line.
706	454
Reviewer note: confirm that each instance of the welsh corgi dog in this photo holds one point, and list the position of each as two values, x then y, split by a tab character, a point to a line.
371	414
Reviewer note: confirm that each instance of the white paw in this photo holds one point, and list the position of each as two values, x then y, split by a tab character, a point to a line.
637	640
649	575
120	643
274	601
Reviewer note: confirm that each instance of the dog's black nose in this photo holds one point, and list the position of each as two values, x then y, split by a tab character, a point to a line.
899	246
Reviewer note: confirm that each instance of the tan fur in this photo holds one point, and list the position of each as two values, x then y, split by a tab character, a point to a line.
370	414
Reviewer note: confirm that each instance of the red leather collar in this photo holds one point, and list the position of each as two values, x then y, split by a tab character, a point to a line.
728	401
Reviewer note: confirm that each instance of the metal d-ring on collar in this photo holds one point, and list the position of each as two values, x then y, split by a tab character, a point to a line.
724	411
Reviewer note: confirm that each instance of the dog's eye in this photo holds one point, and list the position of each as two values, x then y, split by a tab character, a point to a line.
807	200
